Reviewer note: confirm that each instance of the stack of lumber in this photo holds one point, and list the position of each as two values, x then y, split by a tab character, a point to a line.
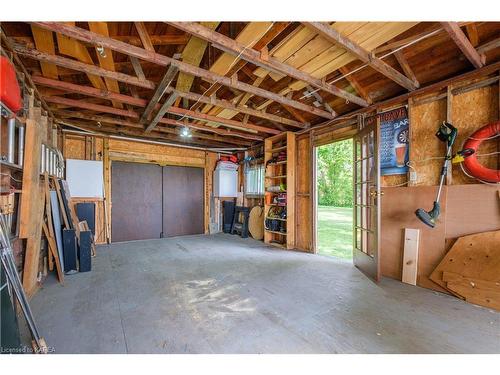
471	269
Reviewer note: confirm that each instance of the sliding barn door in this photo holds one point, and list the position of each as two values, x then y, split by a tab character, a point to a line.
136	195
367	200
183	202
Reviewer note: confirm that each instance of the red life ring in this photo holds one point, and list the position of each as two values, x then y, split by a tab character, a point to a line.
471	163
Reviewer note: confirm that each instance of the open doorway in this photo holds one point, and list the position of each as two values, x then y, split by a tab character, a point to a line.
334	199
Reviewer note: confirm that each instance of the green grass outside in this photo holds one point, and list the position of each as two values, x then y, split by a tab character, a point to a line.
335	231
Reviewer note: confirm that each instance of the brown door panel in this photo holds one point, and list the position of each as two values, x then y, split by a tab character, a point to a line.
136	194
183	202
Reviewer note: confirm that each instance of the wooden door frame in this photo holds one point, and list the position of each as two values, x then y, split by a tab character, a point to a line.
107	179
314	187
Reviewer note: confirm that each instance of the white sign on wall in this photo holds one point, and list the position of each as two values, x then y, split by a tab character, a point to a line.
85	178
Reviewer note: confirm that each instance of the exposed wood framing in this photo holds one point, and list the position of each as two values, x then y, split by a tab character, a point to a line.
144	36
90	91
222	121
472	33
192	54
399	55
355	85
464	44
161	112
135	115
231	46
44	41
71	47
93	38
105	58
160	90
485	70
158	133
334	36
492	44
82	67
246	36
136	65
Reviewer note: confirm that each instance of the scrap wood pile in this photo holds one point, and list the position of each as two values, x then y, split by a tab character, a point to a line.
471	269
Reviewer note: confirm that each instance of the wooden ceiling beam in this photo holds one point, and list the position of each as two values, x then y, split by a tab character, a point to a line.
131	114
91	106
71	47
160	90
93	92
472	34
460	39
221	120
116	121
106	58
220	131
136	65
115	45
356	85
161	112
192	54
273	32
380	66
144	36
229	45
161	133
403	62
89	91
156	40
432	88
488	46
82	67
44	41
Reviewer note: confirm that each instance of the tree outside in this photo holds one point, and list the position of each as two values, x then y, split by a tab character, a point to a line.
335	199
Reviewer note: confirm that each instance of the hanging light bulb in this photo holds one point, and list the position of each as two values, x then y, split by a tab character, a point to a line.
185	132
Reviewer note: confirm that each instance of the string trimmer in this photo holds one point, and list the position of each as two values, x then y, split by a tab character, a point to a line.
446	133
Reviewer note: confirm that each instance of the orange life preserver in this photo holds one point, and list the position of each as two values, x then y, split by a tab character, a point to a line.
471	163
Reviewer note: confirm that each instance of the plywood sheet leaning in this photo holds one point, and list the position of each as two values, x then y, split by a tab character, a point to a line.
471	111
471	269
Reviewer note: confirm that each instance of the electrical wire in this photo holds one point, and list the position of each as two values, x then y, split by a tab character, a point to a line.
381	57
249	45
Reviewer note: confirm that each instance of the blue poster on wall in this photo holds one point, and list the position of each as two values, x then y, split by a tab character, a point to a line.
394	141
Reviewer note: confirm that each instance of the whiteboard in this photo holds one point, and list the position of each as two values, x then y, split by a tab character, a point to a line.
85	178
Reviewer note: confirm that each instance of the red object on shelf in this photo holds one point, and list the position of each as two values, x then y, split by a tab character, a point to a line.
231	158
10	93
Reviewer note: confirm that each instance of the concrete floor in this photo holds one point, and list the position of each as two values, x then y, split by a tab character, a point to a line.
223	294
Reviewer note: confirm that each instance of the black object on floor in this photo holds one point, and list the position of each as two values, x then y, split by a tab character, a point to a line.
86	211
69	250
238	226
228	216
84	251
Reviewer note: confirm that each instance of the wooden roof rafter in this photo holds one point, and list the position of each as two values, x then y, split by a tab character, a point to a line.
460	39
89	37
138	102
231	46
368	58
161	133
